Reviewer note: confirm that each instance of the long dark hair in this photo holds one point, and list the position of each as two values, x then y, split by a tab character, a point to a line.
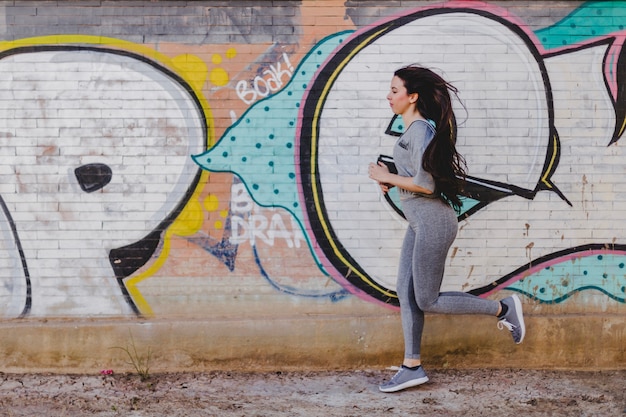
441	158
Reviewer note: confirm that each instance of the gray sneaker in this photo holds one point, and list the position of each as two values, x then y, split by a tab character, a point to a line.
404	378
514	318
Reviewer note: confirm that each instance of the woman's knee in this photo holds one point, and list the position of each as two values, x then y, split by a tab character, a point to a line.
426	304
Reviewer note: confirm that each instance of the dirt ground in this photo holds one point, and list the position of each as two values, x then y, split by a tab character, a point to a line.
449	393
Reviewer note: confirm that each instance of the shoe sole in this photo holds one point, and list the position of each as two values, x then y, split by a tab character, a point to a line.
520	316
405	385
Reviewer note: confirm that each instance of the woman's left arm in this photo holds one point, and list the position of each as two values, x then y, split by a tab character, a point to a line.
380	173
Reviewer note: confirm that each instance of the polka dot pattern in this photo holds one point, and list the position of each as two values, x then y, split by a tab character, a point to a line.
260	147
602	272
588	21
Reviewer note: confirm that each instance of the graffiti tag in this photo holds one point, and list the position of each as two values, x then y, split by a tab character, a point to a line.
262	86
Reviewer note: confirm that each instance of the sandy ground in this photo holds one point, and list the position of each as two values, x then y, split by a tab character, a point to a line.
449	393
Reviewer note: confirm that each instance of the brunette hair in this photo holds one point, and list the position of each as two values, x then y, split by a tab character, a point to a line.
441	158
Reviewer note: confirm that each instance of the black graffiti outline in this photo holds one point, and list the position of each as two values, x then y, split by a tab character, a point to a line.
18	244
326	237
581	249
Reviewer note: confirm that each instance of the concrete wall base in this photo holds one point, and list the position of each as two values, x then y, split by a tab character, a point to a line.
308	343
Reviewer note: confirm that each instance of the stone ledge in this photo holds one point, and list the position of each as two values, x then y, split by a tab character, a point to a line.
311	343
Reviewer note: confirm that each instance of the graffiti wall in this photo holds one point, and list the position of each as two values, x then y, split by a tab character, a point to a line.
193	160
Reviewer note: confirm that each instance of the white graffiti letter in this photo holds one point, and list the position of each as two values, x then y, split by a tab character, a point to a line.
239	233
277	229
243	92
257	224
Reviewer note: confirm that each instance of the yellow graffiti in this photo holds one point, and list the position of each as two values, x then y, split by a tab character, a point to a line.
189	221
191	68
211	203
219	77
551	165
219	224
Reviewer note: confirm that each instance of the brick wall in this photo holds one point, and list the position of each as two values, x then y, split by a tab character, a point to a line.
207	160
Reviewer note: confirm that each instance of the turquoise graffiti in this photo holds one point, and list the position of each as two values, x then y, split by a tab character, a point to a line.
261	148
292	152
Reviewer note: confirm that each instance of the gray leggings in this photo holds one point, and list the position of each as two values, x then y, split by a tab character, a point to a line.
432	229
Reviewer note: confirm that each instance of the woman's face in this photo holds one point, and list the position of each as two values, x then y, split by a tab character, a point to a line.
400	101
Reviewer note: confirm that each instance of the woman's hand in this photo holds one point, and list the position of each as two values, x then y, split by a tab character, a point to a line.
387	180
380	173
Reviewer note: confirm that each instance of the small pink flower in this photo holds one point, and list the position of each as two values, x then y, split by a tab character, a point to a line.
107	372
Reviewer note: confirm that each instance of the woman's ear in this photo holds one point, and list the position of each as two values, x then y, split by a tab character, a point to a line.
413	98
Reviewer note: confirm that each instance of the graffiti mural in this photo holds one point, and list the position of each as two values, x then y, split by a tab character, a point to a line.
91	179
151	179
515	131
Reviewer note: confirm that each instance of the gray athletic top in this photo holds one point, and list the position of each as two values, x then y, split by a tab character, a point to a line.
409	151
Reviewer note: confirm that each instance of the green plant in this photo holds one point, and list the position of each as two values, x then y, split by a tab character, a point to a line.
141	362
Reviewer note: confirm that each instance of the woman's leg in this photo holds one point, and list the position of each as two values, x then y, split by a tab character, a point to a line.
411	315
438	228
412	324
437	231
420	272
